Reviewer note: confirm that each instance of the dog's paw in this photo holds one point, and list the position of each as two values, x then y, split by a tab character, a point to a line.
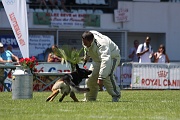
48	99
60	100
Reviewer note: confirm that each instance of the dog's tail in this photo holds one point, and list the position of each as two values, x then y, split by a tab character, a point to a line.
77	89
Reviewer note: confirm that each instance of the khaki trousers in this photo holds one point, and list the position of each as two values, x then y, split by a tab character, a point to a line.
109	83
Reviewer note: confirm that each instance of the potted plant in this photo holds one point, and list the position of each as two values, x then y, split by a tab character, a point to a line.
70	55
22	84
28	64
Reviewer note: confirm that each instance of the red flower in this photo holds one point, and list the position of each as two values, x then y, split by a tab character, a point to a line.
29	63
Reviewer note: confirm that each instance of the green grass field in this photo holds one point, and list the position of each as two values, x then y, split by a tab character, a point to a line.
133	105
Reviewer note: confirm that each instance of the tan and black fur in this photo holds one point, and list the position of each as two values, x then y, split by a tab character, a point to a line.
68	84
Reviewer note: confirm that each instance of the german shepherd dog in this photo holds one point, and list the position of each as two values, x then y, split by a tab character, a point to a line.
68	84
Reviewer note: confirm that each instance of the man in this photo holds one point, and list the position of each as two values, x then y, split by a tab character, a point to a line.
105	55
132	54
7	56
145	51
9	47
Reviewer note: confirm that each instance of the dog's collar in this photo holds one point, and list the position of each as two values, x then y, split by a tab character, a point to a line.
70	76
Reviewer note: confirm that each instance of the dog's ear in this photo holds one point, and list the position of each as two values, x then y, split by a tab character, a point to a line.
77	66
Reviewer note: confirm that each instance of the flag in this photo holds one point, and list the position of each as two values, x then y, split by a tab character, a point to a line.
17	14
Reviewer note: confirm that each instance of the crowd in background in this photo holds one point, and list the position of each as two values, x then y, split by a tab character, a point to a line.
143	53
69	5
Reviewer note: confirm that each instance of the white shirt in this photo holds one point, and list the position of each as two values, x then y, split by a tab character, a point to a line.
162	58
145	58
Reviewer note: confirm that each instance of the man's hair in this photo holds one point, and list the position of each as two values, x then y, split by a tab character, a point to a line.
9	47
148	38
87	36
136	41
55	46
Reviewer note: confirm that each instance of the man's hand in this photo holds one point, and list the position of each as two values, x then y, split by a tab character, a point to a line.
147	50
8	61
100	82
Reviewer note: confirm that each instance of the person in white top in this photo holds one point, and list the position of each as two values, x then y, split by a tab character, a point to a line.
105	55
132	53
145	51
160	56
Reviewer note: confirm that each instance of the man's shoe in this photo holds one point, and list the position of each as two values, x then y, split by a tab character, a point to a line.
84	100
88	100
116	98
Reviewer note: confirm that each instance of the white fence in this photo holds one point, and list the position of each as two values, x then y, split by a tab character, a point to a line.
46	68
150	75
128	75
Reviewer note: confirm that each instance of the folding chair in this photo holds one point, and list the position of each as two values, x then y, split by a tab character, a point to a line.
92	2
98	12
74	11
89	11
82	11
100	2
84	2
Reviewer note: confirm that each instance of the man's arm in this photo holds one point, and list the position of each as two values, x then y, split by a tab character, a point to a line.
141	52
14	57
4	61
1	60
132	52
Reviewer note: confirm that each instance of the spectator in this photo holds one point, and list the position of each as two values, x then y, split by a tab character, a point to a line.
42	3
160	56
132	54
9	47
106	57
7	56
145	51
58	3
52	4
52	57
61	3
46	54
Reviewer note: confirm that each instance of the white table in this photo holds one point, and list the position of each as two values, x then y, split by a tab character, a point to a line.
52	81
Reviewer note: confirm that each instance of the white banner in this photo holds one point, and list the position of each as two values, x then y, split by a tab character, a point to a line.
121	15
17	14
155	76
40	46
126	75
67	19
